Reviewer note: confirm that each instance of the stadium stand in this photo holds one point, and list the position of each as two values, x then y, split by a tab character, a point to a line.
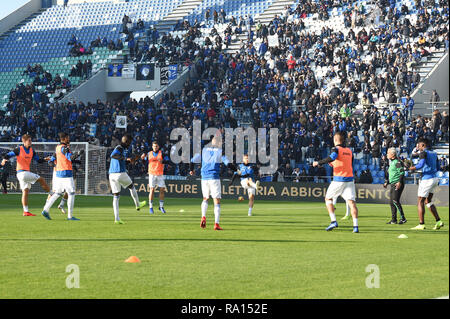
168	22
313	68
43	38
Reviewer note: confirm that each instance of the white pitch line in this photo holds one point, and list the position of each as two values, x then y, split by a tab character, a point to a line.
277	208
444	297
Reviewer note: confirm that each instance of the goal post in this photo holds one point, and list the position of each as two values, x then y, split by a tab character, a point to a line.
90	174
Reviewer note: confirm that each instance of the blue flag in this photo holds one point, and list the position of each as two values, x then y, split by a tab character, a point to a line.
115	69
173	70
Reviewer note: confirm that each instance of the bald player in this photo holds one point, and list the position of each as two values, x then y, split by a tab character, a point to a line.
118	176
428	163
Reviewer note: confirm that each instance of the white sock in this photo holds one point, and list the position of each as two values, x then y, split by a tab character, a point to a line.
161	203
204	208
347	207
355	222
150	204
70	204
50	202
250	210
134	195
25	208
333	217
116	207
62	203
217	213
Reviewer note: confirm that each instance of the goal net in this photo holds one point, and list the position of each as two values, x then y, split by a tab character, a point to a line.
89	174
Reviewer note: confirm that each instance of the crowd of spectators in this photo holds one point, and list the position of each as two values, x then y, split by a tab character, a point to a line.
77	48
43	83
272	86
33	70
104	43
82	69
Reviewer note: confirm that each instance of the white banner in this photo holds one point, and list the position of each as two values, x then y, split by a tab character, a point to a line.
272	40
121	121
128	71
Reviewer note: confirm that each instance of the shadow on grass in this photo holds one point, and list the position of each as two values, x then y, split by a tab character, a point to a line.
174	239
407	231
187	219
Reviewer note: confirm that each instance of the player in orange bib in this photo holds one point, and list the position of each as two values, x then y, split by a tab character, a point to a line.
347	208
63	181
155	175
343	184
52	162
25	155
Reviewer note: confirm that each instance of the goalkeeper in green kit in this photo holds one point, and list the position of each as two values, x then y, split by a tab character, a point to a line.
395	178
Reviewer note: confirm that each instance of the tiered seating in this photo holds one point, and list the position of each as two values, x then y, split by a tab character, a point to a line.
61	66
44	38
336	23
232	8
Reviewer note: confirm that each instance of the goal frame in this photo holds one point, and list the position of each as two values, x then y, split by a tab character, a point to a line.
86	160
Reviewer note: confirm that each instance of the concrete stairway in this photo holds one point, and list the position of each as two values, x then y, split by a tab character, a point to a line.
276	8
237	40
168	22
427	64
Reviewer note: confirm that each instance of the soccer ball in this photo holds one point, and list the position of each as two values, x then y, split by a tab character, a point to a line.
240	198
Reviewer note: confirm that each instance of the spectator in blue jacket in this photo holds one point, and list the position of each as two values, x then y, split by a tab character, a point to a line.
410	139
155	36
73	40
409	108
262	48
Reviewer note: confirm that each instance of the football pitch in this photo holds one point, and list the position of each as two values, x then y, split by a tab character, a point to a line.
282	251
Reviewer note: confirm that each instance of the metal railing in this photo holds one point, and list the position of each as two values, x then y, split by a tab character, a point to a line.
427	106
180	71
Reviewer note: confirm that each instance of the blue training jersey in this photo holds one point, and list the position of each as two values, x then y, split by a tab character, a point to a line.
119	166
246	171
429	164
211	160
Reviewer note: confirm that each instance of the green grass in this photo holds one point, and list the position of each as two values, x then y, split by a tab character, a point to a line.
280	252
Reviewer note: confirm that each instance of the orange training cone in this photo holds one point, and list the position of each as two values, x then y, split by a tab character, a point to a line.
132	259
